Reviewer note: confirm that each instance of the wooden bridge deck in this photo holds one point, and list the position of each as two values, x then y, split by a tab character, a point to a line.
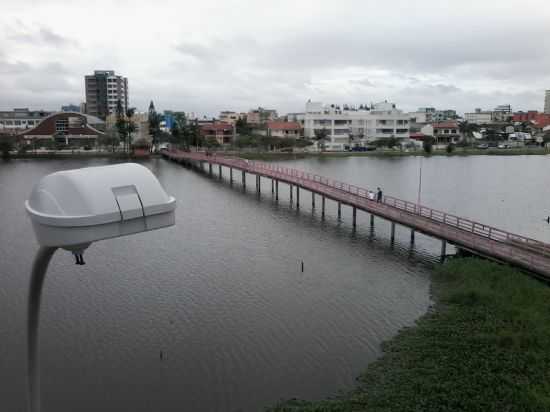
476	237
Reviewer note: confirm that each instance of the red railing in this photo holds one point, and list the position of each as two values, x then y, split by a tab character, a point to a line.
306	178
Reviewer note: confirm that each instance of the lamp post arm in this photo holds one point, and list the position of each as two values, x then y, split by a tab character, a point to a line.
39	269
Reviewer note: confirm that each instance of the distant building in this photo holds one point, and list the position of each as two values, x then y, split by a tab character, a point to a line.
282	129
71	108
345	127
426	115
479	117
141	122
21	119
504	108
547	102
103	91
74	129
444	115
443	132
224	133
525	116
261	115
231	117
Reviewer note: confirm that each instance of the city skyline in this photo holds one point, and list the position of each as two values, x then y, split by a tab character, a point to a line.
210	57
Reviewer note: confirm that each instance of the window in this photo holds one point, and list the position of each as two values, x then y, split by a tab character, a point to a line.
61	125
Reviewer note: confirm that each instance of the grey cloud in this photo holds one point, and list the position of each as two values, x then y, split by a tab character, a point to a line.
41	36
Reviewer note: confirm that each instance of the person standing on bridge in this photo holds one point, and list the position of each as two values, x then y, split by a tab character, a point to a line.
379	195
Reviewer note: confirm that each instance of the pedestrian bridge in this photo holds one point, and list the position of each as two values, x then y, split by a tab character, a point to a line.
466	234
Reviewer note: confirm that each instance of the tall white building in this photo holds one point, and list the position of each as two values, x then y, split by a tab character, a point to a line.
349	126
547	102
103	91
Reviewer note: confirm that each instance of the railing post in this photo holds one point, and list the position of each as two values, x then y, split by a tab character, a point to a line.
392	233
290	186
313	200
231	176
323	206
412	237
339	210
443	250
354	216
297	197
244	179
276	190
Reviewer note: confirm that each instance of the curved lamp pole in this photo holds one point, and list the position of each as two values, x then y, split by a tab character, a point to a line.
73	208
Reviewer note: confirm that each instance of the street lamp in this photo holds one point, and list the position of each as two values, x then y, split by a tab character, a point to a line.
73	208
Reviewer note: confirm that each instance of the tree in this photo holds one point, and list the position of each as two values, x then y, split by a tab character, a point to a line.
211	142
121	124
242	127
467	130
450	148
6	146
154	124
180	131
194	134
427	144
130	124
321	136
110	138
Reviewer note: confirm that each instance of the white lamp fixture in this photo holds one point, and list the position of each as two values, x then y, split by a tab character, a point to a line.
73	208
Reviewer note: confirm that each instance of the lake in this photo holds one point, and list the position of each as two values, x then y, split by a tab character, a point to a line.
222	294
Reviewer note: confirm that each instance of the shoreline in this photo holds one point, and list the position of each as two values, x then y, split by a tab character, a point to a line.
482	346
76	155
395	153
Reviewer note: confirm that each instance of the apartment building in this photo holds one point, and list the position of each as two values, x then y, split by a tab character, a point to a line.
21	119
349	126
261	115
103	91
547	102
231	117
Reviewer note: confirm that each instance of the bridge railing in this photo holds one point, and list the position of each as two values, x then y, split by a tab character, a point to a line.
449	219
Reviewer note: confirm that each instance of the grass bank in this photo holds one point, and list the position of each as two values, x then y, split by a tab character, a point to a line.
395	153
485	347
69	155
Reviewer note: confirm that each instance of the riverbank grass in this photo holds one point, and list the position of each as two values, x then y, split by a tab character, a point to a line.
484	347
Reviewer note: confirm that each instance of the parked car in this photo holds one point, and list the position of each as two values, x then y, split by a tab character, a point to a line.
483	146
503	146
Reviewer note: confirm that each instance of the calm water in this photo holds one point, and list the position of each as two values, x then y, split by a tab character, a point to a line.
222	293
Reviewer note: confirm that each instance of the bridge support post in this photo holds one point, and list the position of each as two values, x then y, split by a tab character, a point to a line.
276	190
312	200
230	175
371	220
354	217
258	184
443	250
392	233
210	168
297	197
412	236
272	186
339	210
323	206
290	186
219	171
244	179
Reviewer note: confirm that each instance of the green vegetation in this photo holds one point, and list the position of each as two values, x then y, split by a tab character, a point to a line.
6	146
485	347
428	144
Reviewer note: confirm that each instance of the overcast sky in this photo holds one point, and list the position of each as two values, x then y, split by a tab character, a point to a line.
206	56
